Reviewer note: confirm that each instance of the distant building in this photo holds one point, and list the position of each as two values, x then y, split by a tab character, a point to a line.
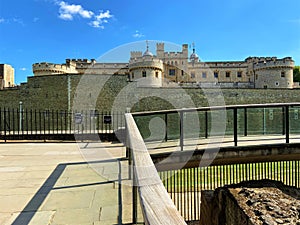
166	68
7	76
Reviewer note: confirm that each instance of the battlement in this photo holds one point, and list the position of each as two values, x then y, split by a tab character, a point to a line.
174	55
221	64
273	62
45	68
136	54
144	63
87	61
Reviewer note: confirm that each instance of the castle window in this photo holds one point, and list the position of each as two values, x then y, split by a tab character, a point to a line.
144	74
156	74
282	74
277	83
171	72
132	75
192	74
182	73
239	74
227	74
204	75
216	74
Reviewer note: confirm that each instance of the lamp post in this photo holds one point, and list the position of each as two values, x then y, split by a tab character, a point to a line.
20	115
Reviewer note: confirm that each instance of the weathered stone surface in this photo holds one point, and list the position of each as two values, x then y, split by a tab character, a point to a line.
51	93
263	202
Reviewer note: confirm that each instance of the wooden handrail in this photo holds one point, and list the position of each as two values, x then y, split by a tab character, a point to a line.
156	204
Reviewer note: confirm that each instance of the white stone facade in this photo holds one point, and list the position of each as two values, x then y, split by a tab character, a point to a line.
164	68
7	76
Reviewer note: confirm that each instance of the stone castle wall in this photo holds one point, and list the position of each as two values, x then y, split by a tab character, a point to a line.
101	92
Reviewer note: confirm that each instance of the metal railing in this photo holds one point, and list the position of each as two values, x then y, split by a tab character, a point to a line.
235	122
258	124
16	124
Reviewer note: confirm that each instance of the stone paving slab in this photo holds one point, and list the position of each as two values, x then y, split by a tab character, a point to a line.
52	183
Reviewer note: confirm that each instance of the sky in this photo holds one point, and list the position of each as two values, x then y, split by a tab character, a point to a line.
33	31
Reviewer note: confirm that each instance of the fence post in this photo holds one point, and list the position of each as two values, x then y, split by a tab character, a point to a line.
4	125
283	121
181	130
235	135
206	124
245	122
287	125
44	116
166	123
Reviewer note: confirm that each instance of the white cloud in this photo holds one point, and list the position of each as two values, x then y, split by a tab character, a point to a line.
23	69
101	19
137	34
96	24
67	11
12	20
19	21
103	15
297	21
65	16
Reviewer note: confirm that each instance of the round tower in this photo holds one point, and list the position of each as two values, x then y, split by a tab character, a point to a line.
270	72
146	70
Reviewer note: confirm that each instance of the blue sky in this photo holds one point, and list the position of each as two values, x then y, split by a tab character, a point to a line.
52	30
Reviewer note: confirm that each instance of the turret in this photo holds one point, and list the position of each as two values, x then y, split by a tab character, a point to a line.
145	69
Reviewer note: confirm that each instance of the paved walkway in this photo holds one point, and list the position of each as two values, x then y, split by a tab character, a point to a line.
70	183
64	183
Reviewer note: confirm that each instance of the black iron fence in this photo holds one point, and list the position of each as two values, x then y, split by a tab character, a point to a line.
185	185
16	124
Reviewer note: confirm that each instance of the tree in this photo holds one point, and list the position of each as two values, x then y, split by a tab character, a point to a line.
296	76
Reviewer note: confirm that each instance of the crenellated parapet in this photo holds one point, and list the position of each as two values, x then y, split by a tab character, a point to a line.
273	63
136	54
85	61
143	63
45	68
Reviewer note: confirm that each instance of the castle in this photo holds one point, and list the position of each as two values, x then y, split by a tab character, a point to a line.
168	68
